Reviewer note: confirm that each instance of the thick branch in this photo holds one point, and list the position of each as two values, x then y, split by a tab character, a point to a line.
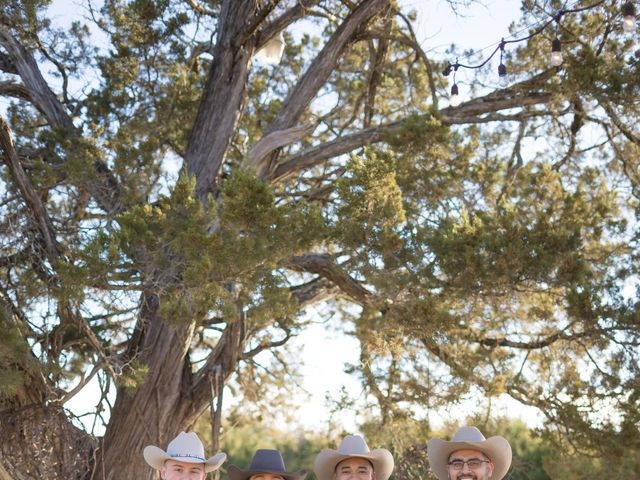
222	98
466	113
319	71
323	266
13	89
223	359
33	80
275	140
31	197
103	186
283	21
315	291
323	65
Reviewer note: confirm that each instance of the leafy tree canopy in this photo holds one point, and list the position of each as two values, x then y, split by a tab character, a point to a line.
487	249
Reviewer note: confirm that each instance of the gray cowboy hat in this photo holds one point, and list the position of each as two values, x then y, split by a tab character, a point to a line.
496	448
187	448
265	461
353	446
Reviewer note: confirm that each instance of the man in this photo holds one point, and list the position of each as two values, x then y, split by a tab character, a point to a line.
265	465
184	459
469	456
353	461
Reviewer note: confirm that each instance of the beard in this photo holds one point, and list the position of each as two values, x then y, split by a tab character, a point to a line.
465	476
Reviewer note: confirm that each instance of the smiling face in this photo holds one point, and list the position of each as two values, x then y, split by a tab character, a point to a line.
354	469
173	470
469	465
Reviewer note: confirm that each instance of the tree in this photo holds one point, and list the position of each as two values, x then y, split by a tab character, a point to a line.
336	177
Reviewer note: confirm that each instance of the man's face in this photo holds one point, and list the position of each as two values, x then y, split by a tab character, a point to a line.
481	468
354	469
173	470
265	476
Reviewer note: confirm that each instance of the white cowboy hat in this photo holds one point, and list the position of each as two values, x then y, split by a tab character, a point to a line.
187	448
353	446
496	448
265	461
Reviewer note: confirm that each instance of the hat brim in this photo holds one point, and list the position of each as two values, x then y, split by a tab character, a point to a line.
497	449
327	460
236	473
156	457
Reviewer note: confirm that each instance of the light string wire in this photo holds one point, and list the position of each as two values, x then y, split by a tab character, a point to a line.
500	45
629	25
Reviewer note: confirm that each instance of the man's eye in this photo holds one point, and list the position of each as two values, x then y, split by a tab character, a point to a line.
474	463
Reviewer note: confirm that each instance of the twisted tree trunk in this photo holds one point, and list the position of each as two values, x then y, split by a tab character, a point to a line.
171	397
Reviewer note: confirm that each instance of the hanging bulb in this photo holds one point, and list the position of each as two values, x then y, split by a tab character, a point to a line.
628	17
556	53
271	52
455	100
503	79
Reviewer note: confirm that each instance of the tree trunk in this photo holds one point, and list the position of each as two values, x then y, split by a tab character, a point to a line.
41	443
223	96
168	401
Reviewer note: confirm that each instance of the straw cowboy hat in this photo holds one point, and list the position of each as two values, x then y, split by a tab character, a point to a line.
187	448
353	446
265	461
497	449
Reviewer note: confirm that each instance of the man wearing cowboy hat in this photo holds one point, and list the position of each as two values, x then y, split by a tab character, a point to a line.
265	465
184	459
353	459
469	456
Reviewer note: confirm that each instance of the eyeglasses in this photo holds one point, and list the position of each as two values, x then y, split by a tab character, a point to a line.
473	464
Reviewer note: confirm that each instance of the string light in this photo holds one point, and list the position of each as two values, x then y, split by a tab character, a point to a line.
628	17
455	99
556	53
502	69
556	58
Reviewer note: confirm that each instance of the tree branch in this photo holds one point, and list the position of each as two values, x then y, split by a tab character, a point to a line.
322	265
31	198
320	69
33	80
222	98
283	21
466	113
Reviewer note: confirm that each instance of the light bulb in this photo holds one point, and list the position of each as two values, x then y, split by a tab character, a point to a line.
503	79
556	53
455	100
628	17
271	52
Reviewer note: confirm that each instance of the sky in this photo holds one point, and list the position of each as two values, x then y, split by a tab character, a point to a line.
326	352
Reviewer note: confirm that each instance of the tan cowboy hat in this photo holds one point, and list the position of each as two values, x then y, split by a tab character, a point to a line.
187	448
265	461
353	446
497	449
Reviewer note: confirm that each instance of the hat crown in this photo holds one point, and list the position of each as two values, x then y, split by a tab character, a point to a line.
268	461
468	434
186	445
353	445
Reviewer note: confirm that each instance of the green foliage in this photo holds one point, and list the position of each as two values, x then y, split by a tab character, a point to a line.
14	359
371	209
134	375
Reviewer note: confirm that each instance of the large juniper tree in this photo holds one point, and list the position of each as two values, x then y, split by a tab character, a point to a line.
479	257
